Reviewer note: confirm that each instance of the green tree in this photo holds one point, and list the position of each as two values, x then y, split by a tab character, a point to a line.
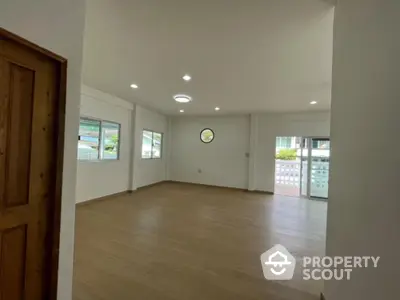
114	139
112	144
286	154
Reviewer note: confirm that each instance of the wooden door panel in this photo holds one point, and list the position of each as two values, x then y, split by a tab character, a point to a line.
17	137
12	263
28	156
21	56
42	179
4	123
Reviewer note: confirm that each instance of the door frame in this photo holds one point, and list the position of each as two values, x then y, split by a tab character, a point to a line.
309	159
52	277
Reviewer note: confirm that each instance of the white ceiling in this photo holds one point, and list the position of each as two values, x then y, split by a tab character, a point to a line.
244	55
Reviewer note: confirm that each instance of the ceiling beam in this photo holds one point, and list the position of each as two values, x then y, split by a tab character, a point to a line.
331	2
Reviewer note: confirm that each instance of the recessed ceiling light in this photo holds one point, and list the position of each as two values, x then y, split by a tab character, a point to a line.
181	111
187	77
217	108
182	98
134	86
313	102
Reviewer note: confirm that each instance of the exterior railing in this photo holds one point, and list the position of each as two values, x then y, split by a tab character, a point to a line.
287	173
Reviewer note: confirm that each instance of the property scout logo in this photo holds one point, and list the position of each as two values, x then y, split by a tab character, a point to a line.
278	264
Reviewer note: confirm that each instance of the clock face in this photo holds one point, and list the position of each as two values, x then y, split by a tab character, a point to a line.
207	135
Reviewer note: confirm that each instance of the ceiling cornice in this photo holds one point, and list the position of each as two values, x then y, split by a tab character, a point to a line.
331	2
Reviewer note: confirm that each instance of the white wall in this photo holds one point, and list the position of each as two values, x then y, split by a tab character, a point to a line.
268	127
98	179
149	171
364	200
102	178
57	25
223	162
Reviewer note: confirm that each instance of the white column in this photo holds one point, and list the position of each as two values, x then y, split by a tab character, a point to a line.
253	152
364	198
168	145
134	149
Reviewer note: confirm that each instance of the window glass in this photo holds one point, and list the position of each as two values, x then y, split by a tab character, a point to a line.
88	143
320	144
98	140
284	142
151	144
288	142
110	140
298	142
147	140
278	142
157	140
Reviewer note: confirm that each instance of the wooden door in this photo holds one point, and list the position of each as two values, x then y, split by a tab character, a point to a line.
29	146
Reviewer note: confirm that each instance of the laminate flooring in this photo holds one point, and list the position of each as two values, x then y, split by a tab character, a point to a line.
177	241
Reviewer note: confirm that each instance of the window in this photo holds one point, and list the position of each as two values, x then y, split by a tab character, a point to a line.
98	140
110	140
151	144
284	142
207	135
157	139
89	139
320	144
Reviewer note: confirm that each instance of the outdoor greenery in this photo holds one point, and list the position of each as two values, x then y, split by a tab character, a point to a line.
113	144
286	154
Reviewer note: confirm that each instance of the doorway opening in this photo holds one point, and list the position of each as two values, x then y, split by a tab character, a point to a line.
288	165
302	167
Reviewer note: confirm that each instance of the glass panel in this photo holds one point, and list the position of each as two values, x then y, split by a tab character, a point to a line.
304	168
287	166
88	143
278	142
110	140
320	159
286	142
147	143
298	142
157	145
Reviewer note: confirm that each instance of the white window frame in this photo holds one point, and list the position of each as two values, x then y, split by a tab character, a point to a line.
152	138
101	141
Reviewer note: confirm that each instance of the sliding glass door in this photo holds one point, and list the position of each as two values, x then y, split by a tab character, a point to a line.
304	167
315	159
320	159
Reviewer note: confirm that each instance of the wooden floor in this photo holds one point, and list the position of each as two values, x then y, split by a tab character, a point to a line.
186	242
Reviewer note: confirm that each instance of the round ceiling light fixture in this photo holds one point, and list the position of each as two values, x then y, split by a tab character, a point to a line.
182	98
181	111
134	86
313	102
187	77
